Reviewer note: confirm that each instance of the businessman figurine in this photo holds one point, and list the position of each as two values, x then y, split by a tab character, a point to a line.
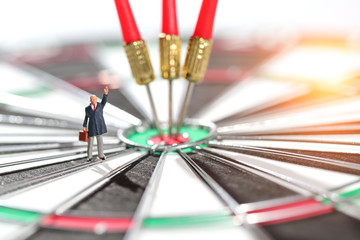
97	127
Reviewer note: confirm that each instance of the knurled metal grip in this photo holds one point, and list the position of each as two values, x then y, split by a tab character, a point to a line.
139	61
197	59
170	48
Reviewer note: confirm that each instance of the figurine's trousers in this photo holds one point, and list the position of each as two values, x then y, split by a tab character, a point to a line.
100	147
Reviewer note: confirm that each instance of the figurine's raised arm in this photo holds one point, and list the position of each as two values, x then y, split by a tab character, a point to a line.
104	99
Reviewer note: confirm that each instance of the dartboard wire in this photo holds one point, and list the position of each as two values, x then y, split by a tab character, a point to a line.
339	128
21	101
72	200
15	131
36	139
33	227
39	152
263	204
302	146
33	146
239	216
11	149
331	197
348	139
321	195
36	121
33	118
23	148
46	156
146	200
52	176
44	161
258	129
23	157
315	191
310	158
8	129
18	135
71	170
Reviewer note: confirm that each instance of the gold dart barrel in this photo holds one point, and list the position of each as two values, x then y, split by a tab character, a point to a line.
197	59
170	47
139	61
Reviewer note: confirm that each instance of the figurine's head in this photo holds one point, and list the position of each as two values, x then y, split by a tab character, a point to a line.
93	99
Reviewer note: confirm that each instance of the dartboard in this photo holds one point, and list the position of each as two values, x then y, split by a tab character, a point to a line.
265	158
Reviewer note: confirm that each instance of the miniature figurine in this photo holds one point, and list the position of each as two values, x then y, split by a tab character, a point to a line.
97	127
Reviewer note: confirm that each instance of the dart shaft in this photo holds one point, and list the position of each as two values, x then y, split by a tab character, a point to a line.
185	106
156	120
170	109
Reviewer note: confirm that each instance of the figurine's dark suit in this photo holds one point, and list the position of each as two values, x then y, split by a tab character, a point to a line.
96	126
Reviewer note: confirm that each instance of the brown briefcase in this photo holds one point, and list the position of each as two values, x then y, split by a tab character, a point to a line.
83	136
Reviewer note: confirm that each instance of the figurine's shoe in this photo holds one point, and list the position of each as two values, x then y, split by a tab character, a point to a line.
101	159
89	159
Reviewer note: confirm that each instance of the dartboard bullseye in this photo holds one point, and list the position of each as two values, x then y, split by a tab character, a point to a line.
193	133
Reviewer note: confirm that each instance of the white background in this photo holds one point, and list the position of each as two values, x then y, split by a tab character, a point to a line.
26	23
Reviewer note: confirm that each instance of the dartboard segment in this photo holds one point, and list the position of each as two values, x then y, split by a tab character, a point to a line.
57	191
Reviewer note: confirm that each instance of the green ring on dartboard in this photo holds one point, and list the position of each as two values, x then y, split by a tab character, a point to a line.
199	133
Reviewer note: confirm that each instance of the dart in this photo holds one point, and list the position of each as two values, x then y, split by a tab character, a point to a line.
198	53
170	47
137	53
